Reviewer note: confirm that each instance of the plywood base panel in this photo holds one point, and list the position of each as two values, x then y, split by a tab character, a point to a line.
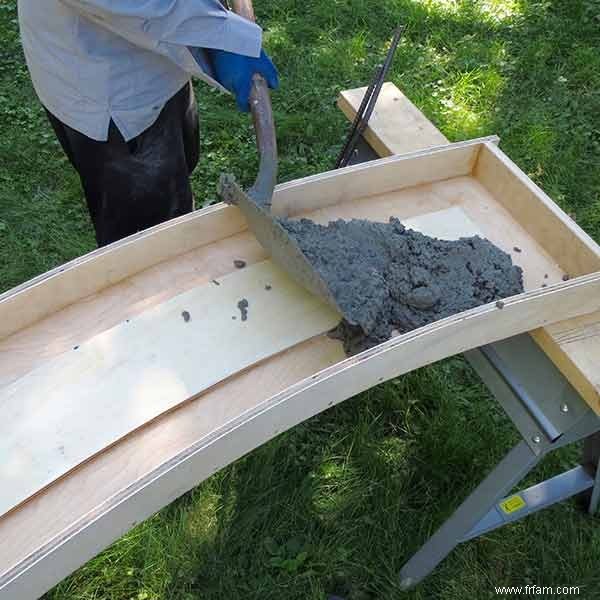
85	400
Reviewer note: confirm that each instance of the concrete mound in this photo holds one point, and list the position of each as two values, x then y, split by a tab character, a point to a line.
385	277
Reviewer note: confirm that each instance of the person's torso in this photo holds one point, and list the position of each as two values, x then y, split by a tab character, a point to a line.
85	75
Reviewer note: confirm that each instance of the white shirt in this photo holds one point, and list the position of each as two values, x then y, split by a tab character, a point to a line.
96	60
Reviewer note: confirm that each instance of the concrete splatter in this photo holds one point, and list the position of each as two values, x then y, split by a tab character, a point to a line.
243	307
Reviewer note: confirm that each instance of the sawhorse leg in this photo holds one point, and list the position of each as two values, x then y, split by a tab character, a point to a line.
591	460
512	469
549	414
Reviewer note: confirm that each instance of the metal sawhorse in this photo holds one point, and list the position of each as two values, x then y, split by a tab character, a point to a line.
549	414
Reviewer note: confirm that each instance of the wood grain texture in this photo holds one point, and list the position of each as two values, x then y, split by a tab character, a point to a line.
396	125
574	252
58	530
269	417
73	325
50	292
83	401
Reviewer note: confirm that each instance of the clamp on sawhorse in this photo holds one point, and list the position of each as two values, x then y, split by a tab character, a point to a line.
549	414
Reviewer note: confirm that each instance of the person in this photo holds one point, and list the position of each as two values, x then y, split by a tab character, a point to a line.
115	79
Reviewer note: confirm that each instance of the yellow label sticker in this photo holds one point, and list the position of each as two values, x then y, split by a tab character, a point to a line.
512	504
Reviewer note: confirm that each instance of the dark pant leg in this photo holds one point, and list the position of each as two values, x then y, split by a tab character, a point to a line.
130	186
190	129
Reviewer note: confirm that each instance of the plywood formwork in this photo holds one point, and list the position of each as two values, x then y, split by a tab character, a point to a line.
573	344
95	503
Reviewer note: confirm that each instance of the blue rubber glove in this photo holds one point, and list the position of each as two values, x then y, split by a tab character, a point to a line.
234	72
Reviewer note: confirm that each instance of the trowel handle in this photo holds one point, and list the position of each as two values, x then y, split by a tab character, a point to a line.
245	9
264	125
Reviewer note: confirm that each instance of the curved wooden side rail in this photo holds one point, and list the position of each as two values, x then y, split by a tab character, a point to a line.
269	417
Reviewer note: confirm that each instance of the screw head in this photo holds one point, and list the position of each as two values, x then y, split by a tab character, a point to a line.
536	439
564	408
407	583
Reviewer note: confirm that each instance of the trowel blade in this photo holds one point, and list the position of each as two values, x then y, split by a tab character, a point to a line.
276	241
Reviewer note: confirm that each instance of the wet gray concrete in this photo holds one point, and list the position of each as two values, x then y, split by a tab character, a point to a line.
385	277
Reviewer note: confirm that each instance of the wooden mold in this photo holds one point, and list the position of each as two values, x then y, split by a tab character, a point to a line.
112	324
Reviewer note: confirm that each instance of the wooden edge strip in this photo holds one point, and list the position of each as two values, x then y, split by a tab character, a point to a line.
400	355
568	367
50	292
136	238
586	258
391	173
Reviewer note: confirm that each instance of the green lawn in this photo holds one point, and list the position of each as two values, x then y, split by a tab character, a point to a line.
339	503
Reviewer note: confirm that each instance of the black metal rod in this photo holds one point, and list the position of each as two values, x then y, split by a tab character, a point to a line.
348	148
368	102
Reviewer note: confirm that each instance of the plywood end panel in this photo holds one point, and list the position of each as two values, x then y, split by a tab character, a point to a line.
572	248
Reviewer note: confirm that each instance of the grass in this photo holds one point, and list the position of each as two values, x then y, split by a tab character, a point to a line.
340	502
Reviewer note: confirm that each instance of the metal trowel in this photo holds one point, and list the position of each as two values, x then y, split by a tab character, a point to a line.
255	204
